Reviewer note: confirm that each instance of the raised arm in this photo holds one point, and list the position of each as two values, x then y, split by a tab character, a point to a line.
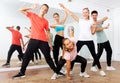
25	9
27	29
102	20
65	17
69	12
9	28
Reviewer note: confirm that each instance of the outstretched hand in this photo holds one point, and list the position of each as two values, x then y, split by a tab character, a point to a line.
107	26
61	5
34	6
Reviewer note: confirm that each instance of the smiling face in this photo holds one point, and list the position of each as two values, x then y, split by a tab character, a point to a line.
44	9
68	45
94	16
56	16
85	13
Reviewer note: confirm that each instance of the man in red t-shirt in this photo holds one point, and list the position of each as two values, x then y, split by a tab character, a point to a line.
39	36
16	45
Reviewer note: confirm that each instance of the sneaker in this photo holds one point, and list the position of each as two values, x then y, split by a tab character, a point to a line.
54	76
60	74
102	73
6	65
110	68
84	74
93	69
19	75
62	70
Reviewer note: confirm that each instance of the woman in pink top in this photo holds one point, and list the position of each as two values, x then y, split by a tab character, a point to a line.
70	56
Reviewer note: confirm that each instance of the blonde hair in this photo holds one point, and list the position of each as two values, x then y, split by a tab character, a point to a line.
88	11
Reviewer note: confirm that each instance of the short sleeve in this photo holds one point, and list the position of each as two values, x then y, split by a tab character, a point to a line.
29	14
46	25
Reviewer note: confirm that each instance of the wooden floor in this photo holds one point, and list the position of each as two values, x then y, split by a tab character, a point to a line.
43	75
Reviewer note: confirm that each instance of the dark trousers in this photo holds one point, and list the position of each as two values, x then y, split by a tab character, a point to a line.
56	47
91	48
78	59
32	46
108	49
12	49
36	54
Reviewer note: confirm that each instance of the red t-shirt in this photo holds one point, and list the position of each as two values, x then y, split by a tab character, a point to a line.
16	36
38	27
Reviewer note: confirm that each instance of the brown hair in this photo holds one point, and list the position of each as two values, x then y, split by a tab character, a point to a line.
45	5
55	14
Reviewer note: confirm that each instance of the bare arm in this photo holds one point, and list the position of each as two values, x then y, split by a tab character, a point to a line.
70	13
52	26
68	66
22	42
49	38
102	28
93	29
25	9
10	27
27	29
102	20
65	17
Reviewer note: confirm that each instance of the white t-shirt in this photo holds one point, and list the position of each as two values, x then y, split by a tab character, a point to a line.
85	30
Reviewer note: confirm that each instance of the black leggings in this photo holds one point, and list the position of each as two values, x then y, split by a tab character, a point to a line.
32	46
91	47
12	49
56	47
78	59
108	49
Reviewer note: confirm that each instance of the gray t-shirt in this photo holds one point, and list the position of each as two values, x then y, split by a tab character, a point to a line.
101	36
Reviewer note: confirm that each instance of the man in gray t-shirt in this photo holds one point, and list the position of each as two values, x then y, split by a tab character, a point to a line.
102	41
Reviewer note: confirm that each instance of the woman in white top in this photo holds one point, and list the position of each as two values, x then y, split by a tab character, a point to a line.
70	56
86	29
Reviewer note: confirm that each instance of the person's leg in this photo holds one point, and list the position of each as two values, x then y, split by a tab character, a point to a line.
91	47
32	46
56	47
36	56
100	47
45	49
108	52
10	52
61	63
20	55
83	62
79	45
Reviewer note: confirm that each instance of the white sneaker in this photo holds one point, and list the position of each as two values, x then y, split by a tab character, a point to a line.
54	76
63	70
110	68
93	69
102	73
84	74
